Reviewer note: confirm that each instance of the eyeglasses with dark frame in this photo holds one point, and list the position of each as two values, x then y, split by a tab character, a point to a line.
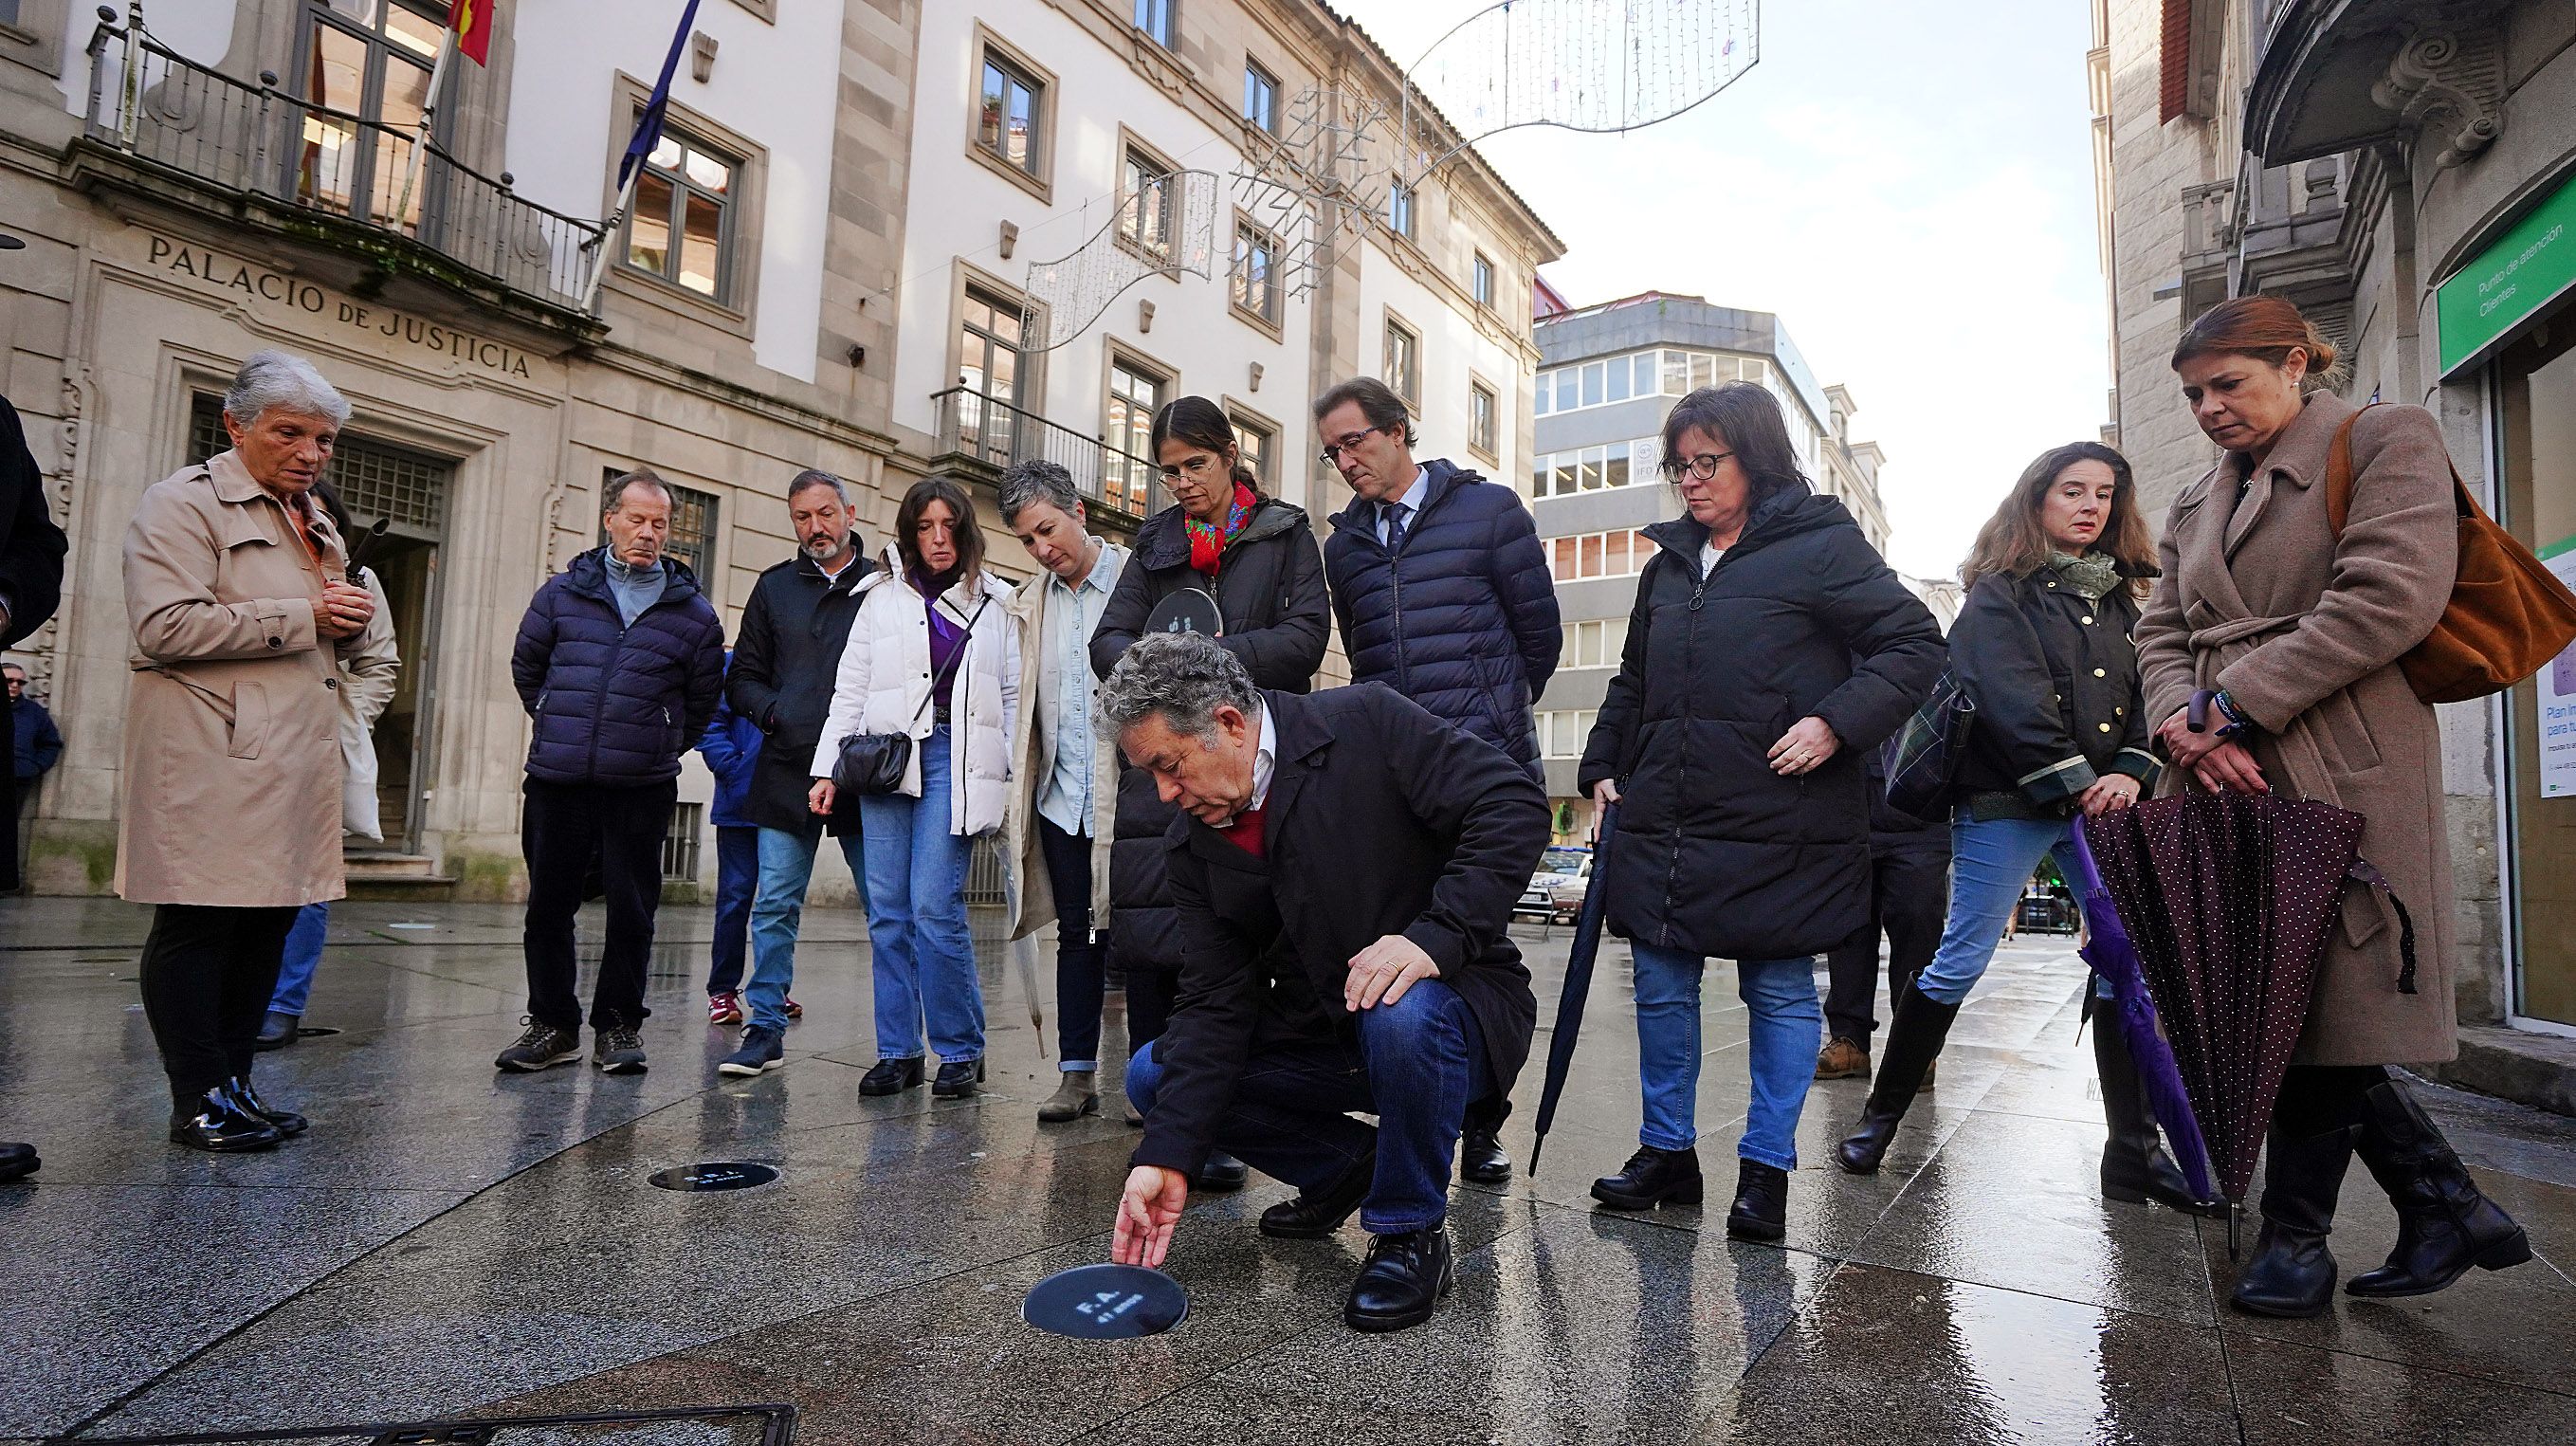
1704	466
1332	455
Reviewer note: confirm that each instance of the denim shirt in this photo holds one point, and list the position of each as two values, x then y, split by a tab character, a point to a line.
1067	692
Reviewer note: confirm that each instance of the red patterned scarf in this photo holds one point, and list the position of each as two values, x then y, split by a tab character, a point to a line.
1207	541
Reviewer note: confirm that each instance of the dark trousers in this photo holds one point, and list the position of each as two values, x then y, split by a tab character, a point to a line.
207	975
1081	961
564	829
1151	989
737	881
1909	897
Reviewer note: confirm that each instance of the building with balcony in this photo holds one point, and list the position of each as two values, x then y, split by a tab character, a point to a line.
2406	172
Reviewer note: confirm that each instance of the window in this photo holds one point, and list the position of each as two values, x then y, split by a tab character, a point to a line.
1135	395
1484	424
1676	373
990	370
1260	97
1645	373
1009	123
1563	732
1622	553
1145	205
680	843
1399	209
1542	394
371	60
1562	474
693	523
1255	278
1403	369
1155	17
1594	644
1567	379
681	229
1260	447
1482	281
1616	373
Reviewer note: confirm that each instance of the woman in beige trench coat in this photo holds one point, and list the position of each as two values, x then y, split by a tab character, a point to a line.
2301	631
236	585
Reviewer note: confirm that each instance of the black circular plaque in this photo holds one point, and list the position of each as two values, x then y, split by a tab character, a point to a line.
1106	1302
714	1175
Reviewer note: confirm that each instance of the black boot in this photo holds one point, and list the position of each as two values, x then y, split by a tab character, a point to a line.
891	1076
2135	1167
957	1078
1481	1160
1402	1282
17	1160
1761	1209
288	1122
278	1030
1651	1176
1914	1040
1223	1174
1314	1214
2444	1225
214	1121
2292	1273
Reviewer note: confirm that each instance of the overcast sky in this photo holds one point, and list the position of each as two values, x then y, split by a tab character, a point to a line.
1908	186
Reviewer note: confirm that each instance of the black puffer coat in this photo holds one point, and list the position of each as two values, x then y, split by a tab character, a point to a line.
2055	681
1717	854
1270	588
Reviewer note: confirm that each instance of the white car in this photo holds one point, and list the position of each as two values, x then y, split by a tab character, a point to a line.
1555	892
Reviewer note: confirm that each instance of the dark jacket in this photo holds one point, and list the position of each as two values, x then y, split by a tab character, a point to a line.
784	662
1380	820
39	744
1717	854
731	747
31	546
1270	588
1462	619
2055	681
616	706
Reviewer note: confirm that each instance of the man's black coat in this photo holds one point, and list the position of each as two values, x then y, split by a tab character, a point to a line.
786	658
1381	819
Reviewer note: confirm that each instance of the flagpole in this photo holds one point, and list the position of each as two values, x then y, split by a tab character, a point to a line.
428	118
607	236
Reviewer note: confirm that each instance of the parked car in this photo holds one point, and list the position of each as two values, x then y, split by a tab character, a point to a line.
1555	892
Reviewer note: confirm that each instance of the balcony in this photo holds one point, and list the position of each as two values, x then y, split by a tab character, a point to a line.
978	436
164	127
2343	75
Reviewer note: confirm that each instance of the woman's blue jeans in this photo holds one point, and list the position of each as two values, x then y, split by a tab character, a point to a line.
921	954
1990	862
1788	1026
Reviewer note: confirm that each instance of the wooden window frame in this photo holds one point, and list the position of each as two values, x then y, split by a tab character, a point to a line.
740	254
1039	179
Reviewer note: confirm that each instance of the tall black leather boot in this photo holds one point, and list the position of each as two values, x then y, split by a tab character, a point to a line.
2135	1167
2292	1273
1914	1040
2444	1225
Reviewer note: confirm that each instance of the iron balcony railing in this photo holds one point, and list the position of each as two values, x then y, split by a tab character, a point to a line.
154	105
997	434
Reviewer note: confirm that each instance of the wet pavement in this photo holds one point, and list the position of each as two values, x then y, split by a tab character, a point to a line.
451	1242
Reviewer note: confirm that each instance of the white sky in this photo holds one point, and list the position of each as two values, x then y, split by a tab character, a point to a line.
1908	186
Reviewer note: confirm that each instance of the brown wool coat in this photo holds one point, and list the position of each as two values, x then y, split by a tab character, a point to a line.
232	783
2304	633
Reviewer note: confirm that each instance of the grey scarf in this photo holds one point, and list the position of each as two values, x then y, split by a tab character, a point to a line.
2092	576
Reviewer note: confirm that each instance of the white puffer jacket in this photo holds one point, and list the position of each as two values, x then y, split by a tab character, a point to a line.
884	680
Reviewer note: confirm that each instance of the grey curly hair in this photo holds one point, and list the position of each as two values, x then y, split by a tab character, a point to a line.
1036	480
1182	676
282	380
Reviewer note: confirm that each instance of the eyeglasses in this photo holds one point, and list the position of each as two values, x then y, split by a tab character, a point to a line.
1704	466
1333	454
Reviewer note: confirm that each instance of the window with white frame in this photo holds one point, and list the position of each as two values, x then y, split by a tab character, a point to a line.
1577	557
1481	281
1403	369
1136	393
1595	644
1155	18
1260	97
1399	208
1484	419
1260	448
1145	204
1590	469
1563	732
1255	274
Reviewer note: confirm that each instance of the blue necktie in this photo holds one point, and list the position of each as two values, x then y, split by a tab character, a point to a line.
1395	526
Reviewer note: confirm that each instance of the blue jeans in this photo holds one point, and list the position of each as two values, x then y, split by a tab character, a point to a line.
303	956
737	875
1786	1029
1990	862
786	868
922	956
1420	1062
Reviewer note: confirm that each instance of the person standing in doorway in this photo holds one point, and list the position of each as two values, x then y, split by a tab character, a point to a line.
793	630
730	748
619	662
1442	593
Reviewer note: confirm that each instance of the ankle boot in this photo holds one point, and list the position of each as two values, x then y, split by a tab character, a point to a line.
2135	1167
2444	1225
1914	1040
1761	1209
2292	1273
1651	1177
1076	1094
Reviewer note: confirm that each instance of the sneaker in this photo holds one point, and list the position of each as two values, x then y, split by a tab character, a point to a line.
617	1049
725	1008
542	1047
794	1009
762	1050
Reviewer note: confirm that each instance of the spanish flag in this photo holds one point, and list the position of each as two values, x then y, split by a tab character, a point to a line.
472	22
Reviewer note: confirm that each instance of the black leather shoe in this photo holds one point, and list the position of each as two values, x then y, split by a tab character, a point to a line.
17	1160
247	1099
2292	1273
2135	1167
214	1122
1402	1282
1481	1160
1914	1041
1761	1209
1222	1175
1652	1176
277	1031
957	1078
891	1076
1315	1214
2444	1223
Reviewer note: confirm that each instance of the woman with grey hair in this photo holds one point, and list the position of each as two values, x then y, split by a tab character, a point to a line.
237	587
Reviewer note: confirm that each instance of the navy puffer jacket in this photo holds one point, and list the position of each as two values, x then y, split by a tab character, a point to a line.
616	706
1462	618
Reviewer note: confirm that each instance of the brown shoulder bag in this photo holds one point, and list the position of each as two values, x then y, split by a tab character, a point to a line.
2508	615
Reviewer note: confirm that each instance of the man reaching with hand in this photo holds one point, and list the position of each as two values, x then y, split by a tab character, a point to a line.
1344	871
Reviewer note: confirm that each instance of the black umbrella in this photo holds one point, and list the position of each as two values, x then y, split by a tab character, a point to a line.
1578	980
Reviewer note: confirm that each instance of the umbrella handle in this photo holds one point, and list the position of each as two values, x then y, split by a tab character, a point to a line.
2196	712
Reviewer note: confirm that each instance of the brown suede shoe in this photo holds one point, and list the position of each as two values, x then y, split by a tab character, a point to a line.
1842	1059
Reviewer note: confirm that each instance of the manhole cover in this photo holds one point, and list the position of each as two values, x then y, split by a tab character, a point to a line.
1106	1302
714	1175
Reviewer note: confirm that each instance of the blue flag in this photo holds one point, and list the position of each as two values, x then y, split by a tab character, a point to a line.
648	126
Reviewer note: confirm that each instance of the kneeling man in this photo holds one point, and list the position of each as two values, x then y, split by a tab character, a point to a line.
1345	871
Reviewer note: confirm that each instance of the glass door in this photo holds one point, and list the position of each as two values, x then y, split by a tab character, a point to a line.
365	74
2536	383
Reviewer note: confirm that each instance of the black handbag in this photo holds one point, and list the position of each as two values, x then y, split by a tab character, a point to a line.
1922	760
874	763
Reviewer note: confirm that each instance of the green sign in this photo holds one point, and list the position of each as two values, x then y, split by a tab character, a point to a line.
2505	285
